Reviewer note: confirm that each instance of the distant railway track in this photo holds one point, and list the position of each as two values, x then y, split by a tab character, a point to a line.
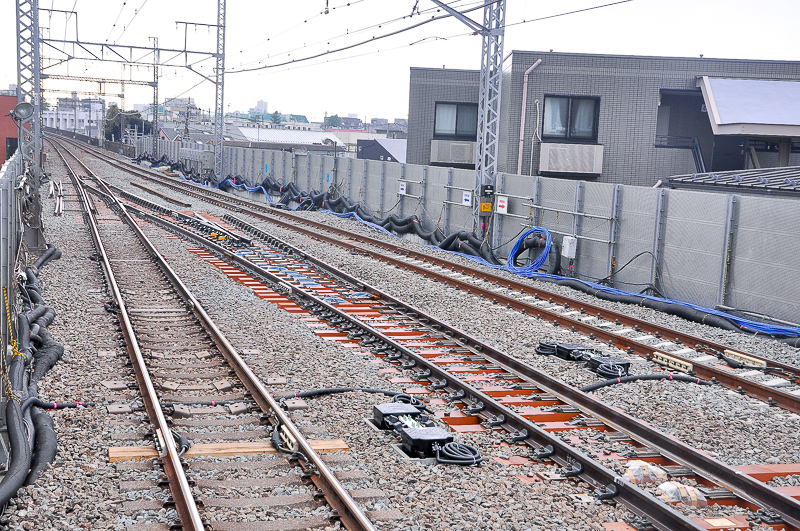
636	336
164	324
528	405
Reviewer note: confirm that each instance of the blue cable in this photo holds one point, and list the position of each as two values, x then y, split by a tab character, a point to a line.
531	271
251	190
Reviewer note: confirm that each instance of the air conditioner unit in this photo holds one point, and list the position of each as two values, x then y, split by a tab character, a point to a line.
452	152
571	158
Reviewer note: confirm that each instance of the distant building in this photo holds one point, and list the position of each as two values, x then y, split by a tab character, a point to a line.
352	123
170	134
387	149
618	119
83	116
351	138
259	111
323	142
381	126
8	127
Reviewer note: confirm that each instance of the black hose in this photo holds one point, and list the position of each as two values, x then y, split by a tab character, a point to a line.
454	453
626	379
611	370
19	456
45	447
547	348
396	396
33	401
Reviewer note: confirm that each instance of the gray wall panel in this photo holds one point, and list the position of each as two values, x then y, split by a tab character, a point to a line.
693	244
636	232
764	272
762	275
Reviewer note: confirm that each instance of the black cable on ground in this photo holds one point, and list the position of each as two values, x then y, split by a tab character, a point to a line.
626	379
396	396
33	401
611	370
454	453
45	447
546	348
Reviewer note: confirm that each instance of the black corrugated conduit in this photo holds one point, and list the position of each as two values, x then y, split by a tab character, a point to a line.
643	377
468	243
396	396
30	431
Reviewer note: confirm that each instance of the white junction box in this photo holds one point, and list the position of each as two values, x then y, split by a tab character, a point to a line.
569	247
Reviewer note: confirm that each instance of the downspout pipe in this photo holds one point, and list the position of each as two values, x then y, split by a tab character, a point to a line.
522	118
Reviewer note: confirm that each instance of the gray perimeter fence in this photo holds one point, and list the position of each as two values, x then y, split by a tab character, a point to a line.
10	241
710	248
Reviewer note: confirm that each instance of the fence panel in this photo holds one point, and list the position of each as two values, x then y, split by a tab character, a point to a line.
764	270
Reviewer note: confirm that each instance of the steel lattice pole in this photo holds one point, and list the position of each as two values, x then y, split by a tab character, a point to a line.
29	88
219	119
494	14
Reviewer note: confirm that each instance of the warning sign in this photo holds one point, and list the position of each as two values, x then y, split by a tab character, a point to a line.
502	204
486	206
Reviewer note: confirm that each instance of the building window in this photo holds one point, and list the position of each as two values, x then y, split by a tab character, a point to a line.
456	121
571	118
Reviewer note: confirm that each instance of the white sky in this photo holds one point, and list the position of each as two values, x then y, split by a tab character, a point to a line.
372	80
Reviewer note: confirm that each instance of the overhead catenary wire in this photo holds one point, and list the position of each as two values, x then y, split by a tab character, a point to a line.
128	25
349	33
408	28
351	46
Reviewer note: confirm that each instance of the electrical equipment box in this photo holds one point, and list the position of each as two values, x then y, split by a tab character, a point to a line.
569	247
419	442
487	190
486	206
382	412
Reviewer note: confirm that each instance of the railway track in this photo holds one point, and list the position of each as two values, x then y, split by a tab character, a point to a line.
202	390
768	380
494	391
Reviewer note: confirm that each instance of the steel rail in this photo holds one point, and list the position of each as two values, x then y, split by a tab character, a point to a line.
185	505
768	394
744	486
756	390
350	513
638	501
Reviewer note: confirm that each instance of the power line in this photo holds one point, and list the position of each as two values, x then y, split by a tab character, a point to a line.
114	25
568	13
309	19
124	29
343	48
348	47
480	3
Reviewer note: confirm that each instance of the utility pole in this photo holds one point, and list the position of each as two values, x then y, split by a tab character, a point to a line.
155	97
186	125
29	88
219	119
492	32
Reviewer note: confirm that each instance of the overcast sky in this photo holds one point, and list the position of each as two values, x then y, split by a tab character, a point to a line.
372	80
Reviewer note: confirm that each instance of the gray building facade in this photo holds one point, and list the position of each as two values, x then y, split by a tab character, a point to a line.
617	119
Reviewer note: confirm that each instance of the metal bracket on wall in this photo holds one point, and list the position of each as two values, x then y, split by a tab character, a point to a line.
383	188
448	185
363	192
497	221
350	179
658	234
308	171
612	231
731	219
